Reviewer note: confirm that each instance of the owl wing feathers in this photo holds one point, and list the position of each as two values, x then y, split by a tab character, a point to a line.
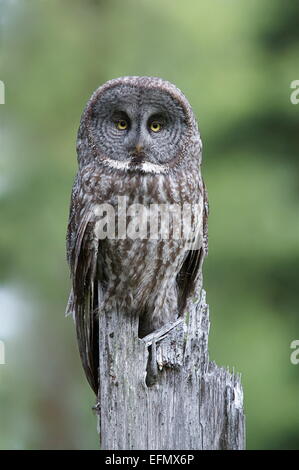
82	247
191	268
205	220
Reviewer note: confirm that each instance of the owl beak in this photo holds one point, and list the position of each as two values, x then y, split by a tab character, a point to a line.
137	153
138	148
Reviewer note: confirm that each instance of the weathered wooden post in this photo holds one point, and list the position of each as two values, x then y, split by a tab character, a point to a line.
191	404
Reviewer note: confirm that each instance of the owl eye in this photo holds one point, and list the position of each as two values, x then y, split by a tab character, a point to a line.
155	126
121	124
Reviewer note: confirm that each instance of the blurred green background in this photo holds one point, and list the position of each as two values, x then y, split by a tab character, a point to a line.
234	60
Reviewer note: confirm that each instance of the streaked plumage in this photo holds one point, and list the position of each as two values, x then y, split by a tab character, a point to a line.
154	278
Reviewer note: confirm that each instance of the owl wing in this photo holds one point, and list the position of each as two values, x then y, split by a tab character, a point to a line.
205	220
82	253
191	268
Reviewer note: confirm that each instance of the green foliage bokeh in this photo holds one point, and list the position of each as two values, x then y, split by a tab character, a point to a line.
235	61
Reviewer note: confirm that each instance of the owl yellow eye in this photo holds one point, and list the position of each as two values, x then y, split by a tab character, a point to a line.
155	126
122	125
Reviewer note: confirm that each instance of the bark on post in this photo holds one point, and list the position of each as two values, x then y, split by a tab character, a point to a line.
190	404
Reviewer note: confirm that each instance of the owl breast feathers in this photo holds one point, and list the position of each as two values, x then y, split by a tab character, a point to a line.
137	231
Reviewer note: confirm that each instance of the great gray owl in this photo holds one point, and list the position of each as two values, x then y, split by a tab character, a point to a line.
138	140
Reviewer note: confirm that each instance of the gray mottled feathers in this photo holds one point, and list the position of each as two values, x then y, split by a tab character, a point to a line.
154	278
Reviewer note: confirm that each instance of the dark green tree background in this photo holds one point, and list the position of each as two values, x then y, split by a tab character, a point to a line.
235	61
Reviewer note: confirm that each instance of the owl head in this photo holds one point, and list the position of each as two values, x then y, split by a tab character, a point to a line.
138	123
